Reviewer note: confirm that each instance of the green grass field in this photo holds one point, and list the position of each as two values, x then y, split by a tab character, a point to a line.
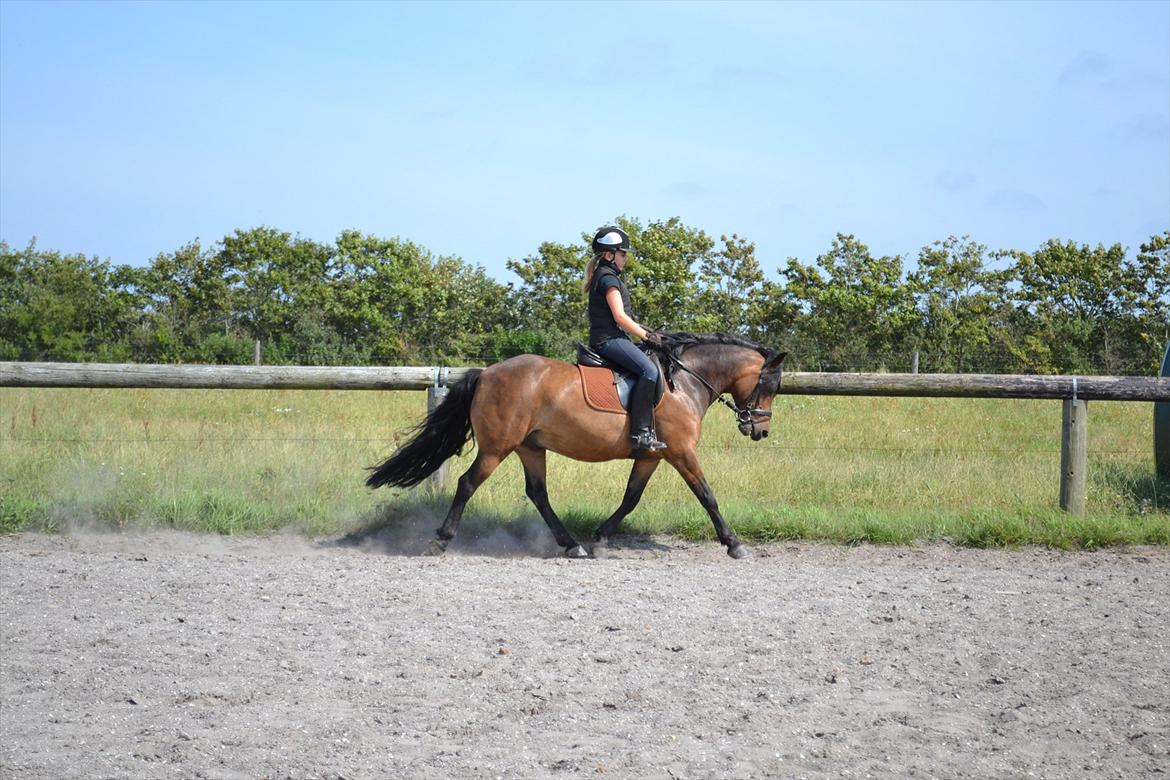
974	472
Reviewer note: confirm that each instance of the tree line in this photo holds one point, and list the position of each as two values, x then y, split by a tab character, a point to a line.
365	300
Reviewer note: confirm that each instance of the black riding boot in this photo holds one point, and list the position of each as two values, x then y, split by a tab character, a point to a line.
642	436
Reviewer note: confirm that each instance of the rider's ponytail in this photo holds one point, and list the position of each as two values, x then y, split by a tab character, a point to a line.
590	268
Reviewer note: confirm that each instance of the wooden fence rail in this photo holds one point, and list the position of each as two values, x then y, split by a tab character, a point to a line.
1086	388
1075	392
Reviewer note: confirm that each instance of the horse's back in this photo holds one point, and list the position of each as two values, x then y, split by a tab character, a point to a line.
525	362
527	370
533	395
526	381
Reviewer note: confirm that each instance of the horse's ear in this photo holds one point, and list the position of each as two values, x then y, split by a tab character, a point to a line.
776	359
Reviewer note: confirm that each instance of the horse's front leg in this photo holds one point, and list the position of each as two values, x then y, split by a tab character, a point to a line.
639	476
687	464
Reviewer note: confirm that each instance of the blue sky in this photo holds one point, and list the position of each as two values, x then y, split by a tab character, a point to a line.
481	130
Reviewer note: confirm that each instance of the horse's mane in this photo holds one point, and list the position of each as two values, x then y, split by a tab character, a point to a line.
677	343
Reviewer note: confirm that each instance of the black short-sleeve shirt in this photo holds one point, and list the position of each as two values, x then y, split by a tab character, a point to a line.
602	326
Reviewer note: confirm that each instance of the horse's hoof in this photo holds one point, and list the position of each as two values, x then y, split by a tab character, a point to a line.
576	551
438	547
600	547
739	551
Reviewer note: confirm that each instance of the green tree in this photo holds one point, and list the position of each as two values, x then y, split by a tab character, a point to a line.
63	307
664	288
187	299
778	319
731	283
858	313
273	277
404	304
1146	300
10	299
377	293
462	305
959	299
59	307
1070	303
548	304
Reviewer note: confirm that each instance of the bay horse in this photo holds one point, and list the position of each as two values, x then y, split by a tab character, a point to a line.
530	404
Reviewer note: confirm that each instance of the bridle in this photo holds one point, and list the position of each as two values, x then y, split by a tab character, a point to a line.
748	414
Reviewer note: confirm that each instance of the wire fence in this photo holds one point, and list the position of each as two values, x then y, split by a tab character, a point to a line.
755	447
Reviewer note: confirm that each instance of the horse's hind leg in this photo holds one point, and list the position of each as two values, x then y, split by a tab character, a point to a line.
639	476
536	486
481	468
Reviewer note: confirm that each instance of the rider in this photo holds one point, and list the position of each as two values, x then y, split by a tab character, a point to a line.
610	326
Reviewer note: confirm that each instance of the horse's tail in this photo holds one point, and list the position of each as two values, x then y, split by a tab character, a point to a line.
442	434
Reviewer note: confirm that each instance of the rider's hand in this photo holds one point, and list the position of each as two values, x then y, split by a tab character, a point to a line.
653	338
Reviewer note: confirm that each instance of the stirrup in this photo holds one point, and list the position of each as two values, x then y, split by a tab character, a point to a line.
645	440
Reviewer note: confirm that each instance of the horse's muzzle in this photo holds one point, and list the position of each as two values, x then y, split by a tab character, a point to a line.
754	432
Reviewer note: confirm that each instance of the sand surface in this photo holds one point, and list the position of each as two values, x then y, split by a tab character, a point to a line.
173	655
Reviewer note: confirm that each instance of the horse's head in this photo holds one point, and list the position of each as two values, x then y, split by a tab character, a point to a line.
727	363
753	390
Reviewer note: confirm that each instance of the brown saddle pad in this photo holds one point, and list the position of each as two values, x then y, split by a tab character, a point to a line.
600	392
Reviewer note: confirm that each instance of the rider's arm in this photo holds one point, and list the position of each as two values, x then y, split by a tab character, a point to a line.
614	298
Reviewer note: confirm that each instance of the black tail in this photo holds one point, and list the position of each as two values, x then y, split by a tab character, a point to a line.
441	435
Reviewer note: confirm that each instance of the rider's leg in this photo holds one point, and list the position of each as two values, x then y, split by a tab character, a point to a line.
642	433
625	354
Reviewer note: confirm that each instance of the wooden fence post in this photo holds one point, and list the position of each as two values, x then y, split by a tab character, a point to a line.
1162	426
435	395
256	353
1073	441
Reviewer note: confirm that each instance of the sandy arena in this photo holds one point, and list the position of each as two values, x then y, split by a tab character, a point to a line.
172	655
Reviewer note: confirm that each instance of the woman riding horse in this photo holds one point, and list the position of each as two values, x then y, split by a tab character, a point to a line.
530	404
610	325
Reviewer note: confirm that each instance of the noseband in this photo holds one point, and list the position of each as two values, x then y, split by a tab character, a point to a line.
749	414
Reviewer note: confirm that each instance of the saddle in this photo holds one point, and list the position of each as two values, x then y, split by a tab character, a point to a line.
607	386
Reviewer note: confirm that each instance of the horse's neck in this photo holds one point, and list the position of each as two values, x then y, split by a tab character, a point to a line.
719	364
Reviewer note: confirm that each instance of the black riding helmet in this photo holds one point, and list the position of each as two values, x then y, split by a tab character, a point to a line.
610	239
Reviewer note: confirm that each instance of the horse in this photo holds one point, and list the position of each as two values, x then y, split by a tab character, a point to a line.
530	404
